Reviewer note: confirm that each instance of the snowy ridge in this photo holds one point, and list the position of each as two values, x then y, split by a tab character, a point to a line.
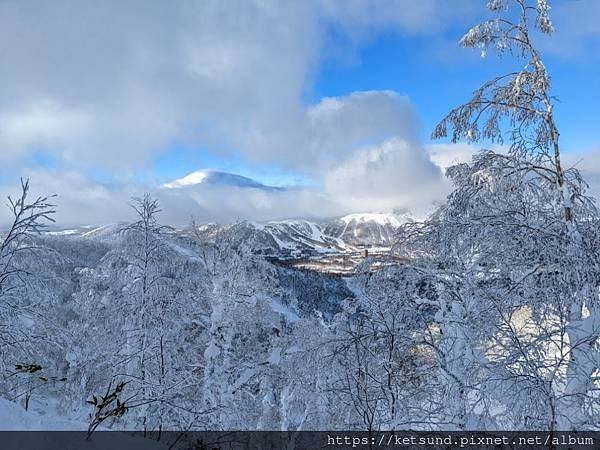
366	229
101	231
283	238
286	238
298	235
95	232
302	238
377	218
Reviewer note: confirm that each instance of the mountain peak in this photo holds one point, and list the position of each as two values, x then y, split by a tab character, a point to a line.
196	177
378	218
215	177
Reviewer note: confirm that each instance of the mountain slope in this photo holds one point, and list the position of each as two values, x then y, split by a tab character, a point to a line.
367	229
287	238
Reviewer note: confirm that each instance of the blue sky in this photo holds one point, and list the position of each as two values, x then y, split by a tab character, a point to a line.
436	82
336	98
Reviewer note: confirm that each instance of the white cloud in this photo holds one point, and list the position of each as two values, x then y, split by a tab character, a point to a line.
229	204
362	149
396	174
113	83
79	201
43	123
336	127
446	155
145	74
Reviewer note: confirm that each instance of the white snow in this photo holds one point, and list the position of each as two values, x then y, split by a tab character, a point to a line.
96	230
211	351
13	417
284	310
63	232
184	251
245	377
193	178
300	235
378	218
275	356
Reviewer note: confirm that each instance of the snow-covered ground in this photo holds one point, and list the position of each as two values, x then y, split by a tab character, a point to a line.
13	417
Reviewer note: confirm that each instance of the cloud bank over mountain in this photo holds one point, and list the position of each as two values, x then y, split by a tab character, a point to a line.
92	95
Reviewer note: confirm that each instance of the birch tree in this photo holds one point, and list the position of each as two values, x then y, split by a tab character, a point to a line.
149	290
19	272
28	220
523	222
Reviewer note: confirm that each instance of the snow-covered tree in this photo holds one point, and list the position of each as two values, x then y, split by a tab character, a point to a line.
23	294
517	107
513	254
135	321
387	374
29	220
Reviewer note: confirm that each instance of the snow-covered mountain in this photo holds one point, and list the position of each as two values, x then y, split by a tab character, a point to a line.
106	232
300	238
208	178
368	229
286	238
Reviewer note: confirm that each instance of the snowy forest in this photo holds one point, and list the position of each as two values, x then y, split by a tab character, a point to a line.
483	316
